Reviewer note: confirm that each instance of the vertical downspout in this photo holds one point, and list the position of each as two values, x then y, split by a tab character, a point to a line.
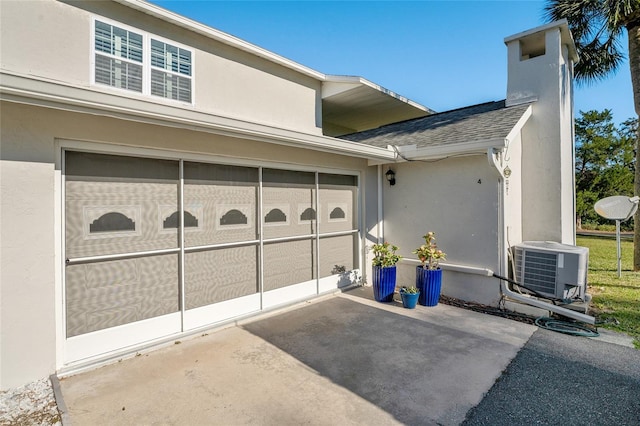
503	259
573	147
503	245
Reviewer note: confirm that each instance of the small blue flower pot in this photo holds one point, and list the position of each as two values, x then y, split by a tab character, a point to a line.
409	301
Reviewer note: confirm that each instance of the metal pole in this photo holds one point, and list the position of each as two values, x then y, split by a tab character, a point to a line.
619	251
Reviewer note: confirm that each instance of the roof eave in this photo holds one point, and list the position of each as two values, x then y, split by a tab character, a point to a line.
517	128
455	150
410	153
48	94
348	79
475	147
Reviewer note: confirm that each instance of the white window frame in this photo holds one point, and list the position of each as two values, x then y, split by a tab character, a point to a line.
146	62
170	72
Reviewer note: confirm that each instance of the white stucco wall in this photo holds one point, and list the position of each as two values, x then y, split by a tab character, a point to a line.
547	138
52	40
27	309
30	285
372	221
513	194
456	198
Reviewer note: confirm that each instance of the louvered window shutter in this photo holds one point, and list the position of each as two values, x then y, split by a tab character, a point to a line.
170	71
118	57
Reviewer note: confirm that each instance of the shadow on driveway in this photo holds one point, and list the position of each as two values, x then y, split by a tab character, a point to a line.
429	367
342	359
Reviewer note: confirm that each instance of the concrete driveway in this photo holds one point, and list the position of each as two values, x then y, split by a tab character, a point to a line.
342	359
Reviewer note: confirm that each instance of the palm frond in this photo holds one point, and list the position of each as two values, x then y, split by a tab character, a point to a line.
597	28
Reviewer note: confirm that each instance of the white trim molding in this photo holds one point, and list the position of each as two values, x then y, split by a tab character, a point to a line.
39	92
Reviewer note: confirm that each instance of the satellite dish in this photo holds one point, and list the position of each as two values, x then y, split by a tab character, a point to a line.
617	207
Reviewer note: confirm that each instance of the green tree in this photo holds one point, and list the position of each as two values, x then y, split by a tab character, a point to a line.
605	161
597	27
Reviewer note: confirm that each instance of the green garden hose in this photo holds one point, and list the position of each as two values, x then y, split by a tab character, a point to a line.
565	327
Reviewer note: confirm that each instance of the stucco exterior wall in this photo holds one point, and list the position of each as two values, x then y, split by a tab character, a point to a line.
513	194
226	81
456	198
46	39
27	310
373	223
567	171
30	227
547	139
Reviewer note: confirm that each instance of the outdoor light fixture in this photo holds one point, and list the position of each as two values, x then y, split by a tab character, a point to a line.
391	177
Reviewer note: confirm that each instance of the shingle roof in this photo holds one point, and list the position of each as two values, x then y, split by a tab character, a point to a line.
492	120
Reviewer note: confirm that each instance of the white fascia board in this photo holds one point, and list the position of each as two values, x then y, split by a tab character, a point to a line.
520	123
31	91
181	21
413	153
454	150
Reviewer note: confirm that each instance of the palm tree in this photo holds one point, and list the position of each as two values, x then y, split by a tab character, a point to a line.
597	26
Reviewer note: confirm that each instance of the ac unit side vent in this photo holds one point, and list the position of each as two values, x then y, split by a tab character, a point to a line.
540	272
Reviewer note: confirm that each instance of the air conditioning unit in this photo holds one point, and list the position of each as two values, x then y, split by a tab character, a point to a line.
557	271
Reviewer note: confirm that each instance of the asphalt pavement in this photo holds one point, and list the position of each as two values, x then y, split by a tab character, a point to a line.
560	379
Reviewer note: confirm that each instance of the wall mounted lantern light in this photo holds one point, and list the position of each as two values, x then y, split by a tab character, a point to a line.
391	177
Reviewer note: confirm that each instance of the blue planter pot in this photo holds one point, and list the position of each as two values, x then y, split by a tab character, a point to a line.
384	283
429	282
409	301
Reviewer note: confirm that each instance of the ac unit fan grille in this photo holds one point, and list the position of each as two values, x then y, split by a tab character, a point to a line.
539	271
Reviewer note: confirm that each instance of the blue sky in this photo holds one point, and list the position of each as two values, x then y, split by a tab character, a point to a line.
442	54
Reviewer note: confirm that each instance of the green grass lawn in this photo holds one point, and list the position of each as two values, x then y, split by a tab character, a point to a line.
613	297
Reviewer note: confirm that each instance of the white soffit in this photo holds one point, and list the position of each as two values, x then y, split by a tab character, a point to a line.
359	104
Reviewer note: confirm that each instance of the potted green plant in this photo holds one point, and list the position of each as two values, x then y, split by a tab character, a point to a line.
409	296
384	271
429	274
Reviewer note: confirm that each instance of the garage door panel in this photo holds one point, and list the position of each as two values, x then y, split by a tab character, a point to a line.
337	254
94	303
214	276
223	200
288	263
110	210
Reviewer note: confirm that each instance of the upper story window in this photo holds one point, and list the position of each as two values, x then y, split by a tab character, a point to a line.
118	57
142	63
170	71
